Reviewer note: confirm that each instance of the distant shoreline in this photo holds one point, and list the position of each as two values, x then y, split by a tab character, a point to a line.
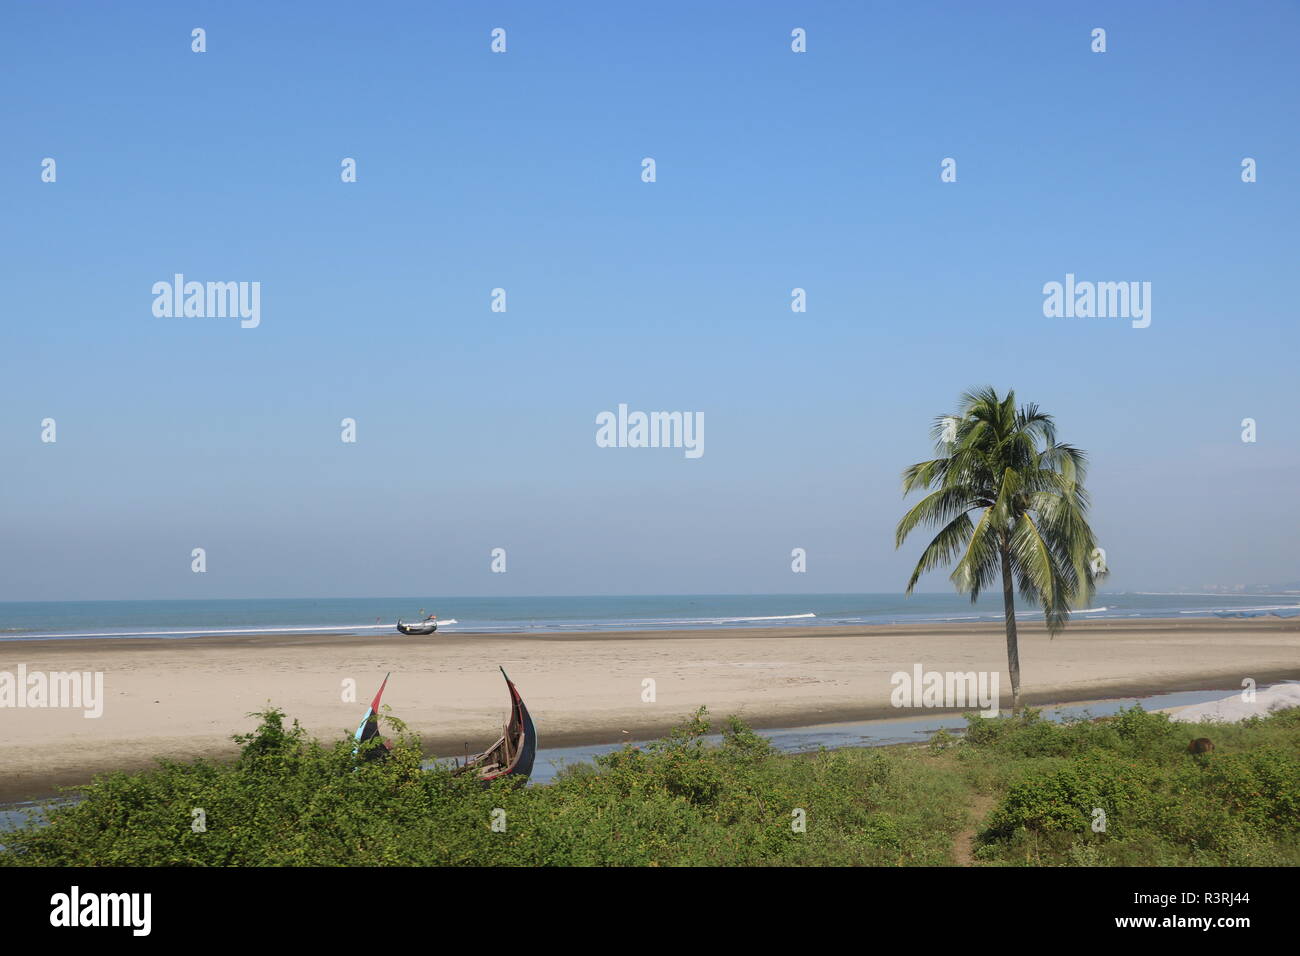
390	636
183	698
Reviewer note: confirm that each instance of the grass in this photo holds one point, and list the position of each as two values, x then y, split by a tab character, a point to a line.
289	800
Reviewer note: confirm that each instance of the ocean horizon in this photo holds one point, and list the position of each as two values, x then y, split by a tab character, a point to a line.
179	618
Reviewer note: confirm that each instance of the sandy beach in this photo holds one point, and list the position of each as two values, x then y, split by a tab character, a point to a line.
184	698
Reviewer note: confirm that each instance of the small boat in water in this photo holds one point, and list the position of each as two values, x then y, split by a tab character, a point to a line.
514	753
423	627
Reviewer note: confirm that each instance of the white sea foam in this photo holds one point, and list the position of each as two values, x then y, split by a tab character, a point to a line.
631	624
238	630
1244	610
738	620
1033	613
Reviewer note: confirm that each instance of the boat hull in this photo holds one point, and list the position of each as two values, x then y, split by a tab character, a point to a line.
519	742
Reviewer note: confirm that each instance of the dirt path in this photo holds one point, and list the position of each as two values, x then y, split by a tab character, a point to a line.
963	847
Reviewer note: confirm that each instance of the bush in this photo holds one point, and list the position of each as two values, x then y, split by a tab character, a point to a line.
1161	805
1065	800
289	800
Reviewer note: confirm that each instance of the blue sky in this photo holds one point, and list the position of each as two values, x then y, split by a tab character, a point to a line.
775	170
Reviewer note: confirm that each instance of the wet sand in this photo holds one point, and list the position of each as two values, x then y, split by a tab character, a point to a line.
183	698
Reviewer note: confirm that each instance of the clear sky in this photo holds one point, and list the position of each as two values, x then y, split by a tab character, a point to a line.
522	170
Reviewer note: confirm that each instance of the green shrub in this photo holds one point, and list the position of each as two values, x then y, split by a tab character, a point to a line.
1065	799
1161	804
288	800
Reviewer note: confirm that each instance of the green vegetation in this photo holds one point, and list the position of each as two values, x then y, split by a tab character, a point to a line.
1012	791
1237	806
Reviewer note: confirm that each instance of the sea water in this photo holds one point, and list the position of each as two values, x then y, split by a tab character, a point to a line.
27	620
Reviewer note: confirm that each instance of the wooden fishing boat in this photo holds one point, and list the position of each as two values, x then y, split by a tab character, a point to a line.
423	627
369	726
514	753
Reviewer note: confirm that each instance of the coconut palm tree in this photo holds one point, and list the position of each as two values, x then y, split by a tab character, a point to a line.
1008	500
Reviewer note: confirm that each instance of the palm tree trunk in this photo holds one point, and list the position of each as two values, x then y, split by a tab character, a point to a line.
1013	646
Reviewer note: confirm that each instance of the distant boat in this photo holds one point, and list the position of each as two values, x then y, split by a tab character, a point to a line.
513	754
424	627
